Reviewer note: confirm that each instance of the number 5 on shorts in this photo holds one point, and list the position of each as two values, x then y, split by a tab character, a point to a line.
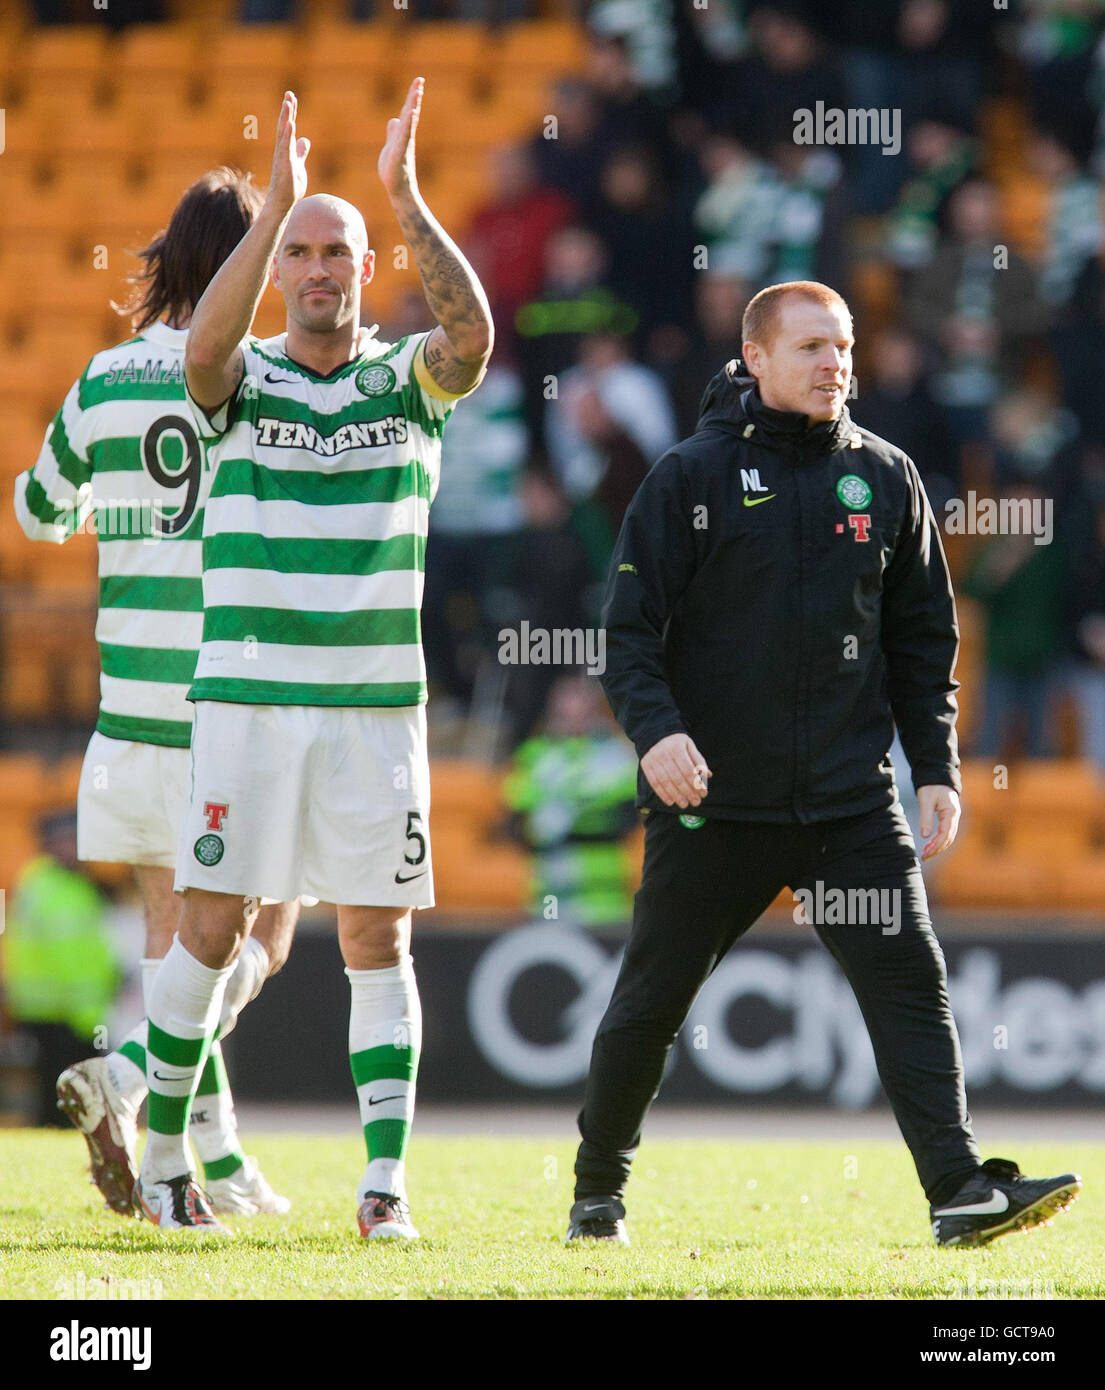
414	833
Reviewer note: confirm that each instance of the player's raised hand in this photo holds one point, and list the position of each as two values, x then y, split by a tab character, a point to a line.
289	160
396	163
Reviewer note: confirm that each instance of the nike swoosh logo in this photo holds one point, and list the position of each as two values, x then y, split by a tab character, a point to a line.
279	380
755	501
166	1078
998	1202
379	1100
595	1206
408	877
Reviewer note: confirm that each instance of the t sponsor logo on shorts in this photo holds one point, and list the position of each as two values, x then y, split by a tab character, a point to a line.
208	849
216	812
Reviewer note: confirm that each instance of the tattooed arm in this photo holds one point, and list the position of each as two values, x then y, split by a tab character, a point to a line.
458	349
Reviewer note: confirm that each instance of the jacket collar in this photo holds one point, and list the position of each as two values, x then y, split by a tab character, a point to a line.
732	401
788	429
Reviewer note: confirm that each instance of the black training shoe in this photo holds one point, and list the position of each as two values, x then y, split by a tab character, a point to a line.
597	1218
998	1200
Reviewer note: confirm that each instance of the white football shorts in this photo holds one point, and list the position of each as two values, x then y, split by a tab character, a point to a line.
130	801
330	802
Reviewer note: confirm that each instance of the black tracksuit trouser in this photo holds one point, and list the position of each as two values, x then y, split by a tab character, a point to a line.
700	892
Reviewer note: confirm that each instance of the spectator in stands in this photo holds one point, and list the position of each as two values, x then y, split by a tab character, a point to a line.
895	401
720	302
1085	631
1036	437
975	311
575	300
649	237
627	114
475	519
572	790
555	581
1020	585
1058	43
1074	234
1071	282
941	155
509	234
807	232
61	971
733	215
789	69
611	421
899	54
571	160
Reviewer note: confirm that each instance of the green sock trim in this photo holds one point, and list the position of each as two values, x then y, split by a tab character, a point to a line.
386	1138
214	1078
167	1114
378	1063
178	1052
136	1053
223	1167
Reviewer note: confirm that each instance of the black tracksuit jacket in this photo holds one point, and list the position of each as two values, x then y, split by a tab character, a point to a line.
752	607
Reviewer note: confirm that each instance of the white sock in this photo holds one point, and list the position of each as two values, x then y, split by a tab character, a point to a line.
128	1078
251	970
185	1003
385	1039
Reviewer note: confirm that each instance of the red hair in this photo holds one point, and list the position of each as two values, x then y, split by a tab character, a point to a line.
761	318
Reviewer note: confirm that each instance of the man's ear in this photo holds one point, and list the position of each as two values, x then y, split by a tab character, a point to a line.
368	267
750	353
274	271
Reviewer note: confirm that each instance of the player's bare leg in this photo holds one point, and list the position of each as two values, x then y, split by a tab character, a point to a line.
385	1039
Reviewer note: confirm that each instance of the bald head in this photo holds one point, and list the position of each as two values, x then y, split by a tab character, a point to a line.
312	216
321	265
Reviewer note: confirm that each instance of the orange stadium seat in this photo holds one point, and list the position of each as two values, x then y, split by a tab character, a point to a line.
345	55
471	868
22	793
440	46
154	53
65	53
205	16
1067	789
977	878
541	45
251	50
46	117
335	115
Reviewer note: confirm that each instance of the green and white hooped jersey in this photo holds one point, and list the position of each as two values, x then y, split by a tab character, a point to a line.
314	538
124	450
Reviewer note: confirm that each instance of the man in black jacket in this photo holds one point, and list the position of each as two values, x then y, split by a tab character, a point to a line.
778	601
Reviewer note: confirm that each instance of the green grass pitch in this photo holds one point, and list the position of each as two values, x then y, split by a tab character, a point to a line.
709	1219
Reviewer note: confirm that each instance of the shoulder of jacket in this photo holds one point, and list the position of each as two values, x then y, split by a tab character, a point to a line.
883	452
703	449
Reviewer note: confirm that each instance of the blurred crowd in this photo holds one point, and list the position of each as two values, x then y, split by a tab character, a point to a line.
621	243
620	247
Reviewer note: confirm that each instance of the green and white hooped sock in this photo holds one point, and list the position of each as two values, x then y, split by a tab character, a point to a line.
127	1064
184	1008
385	1039
213	1126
